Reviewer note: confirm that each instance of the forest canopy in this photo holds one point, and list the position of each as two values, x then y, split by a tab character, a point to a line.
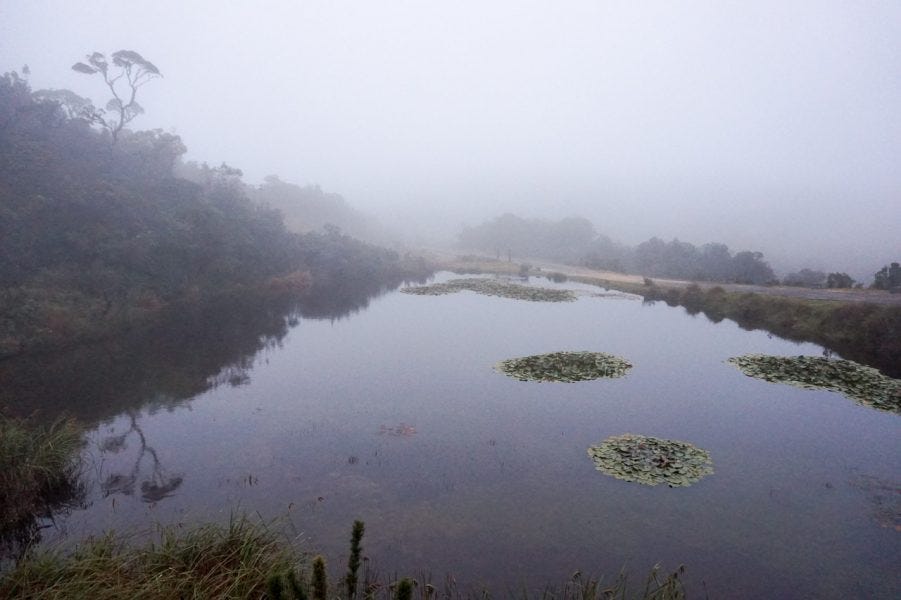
95	236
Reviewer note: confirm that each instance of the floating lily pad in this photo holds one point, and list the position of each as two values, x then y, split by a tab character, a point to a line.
564	366
865	385
650	460
493	287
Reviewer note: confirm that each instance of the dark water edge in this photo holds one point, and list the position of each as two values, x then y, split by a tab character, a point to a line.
866	333
189	351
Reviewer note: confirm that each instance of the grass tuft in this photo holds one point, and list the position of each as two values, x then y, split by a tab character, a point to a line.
242	560
38	468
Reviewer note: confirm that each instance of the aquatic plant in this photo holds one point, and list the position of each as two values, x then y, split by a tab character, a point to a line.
865	385
564	366
493	287
651	460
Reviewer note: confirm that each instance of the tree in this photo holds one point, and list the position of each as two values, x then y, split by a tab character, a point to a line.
749	267
133	71
805	278
839	280
888	277
71	105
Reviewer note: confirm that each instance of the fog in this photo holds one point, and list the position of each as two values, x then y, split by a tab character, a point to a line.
773	126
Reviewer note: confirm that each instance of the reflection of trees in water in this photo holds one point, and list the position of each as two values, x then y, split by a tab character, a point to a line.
344	297
196	348
153	488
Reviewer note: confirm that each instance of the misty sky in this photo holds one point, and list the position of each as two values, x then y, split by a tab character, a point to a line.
766	125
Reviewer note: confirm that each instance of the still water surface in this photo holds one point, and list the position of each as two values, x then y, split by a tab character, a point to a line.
388	410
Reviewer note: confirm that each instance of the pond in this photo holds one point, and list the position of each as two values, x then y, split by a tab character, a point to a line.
387	408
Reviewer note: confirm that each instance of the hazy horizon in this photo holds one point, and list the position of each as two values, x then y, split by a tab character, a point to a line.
768	126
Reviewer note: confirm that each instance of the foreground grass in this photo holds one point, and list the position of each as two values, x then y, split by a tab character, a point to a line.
38	466
248	560
236	561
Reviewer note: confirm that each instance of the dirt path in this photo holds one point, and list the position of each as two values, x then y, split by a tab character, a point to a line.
853	295
844	295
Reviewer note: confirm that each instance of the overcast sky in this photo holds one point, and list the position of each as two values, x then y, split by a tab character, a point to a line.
771	125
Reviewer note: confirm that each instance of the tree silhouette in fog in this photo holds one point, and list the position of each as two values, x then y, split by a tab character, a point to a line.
129	71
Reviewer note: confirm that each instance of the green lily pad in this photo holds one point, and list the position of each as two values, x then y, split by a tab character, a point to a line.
493	287
865	385
564	366
651	461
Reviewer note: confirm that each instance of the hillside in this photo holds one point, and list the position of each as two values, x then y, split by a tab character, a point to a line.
96	236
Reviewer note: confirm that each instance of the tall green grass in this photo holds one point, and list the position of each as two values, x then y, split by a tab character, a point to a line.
236	561
38	468
246	559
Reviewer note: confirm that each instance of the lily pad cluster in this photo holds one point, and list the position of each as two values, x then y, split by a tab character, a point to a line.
493	287
564	366
864	385
650	460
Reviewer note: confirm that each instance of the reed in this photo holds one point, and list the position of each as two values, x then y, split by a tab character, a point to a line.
38	466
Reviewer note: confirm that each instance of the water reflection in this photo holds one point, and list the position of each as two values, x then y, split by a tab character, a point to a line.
395	417
194	350
156	486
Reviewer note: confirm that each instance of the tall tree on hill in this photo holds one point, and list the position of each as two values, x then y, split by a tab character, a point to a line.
128	72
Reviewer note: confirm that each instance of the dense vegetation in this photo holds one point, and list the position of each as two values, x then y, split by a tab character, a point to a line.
818	279
95	236
575	241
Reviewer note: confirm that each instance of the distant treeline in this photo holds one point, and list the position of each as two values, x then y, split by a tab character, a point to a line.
575	241
96	235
